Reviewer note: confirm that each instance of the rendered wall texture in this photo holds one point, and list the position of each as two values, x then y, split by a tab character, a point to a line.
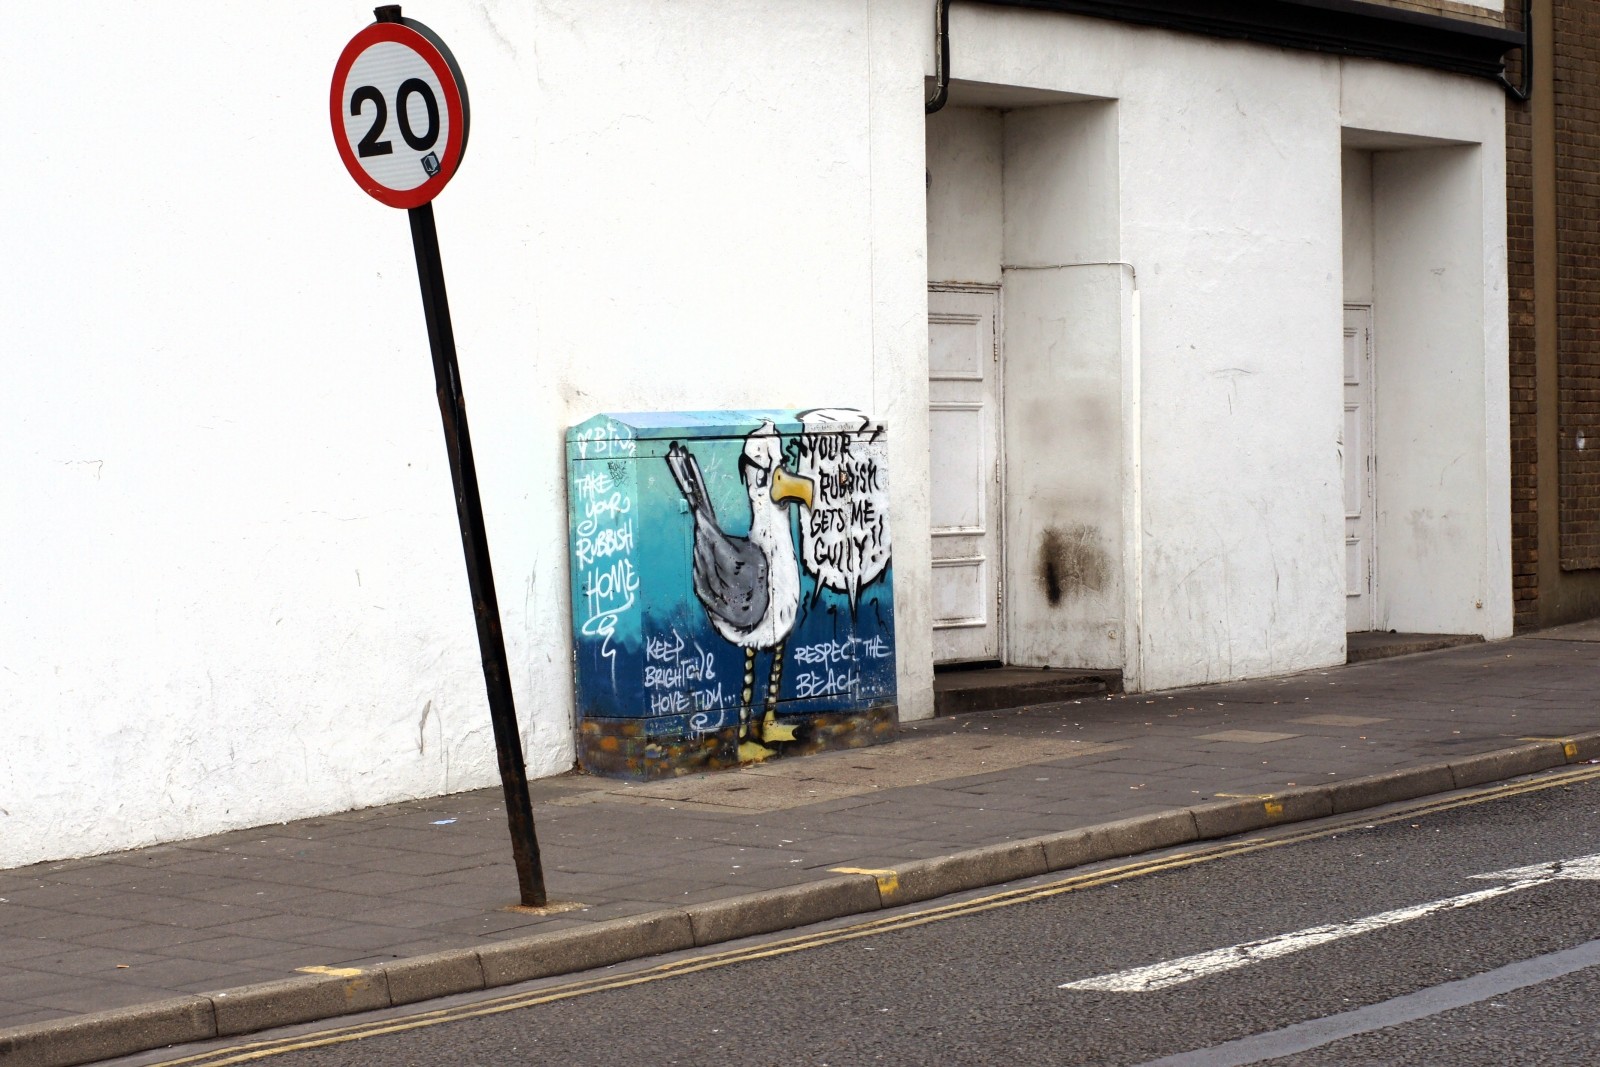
235	593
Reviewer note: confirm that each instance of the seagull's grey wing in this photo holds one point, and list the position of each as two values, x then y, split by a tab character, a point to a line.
730	576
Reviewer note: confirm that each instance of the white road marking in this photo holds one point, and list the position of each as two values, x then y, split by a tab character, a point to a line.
1176	972
1423	1004
1584	868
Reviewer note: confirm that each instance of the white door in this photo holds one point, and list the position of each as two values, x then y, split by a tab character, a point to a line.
1360	467
964	462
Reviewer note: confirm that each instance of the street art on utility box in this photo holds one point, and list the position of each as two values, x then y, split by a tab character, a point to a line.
732	587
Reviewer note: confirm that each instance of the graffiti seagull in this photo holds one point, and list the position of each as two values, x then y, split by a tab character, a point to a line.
749	586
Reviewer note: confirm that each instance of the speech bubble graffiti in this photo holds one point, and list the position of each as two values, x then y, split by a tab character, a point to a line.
844	536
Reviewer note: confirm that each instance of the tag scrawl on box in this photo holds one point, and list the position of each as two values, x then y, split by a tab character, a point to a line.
732	587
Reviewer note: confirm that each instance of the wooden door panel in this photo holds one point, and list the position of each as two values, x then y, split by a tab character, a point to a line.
963	458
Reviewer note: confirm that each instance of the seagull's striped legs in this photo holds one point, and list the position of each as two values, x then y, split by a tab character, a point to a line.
771	728
751	750
774	678
749	690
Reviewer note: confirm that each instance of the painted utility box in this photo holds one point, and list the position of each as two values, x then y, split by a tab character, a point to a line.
732	587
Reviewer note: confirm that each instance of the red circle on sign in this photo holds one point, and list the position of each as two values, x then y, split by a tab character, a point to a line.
416	38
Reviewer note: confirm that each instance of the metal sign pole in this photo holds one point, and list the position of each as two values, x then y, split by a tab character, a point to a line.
475	544
397	59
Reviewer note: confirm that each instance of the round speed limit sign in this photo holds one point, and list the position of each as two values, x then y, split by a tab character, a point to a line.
399	111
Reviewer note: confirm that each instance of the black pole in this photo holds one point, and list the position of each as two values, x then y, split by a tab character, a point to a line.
475	544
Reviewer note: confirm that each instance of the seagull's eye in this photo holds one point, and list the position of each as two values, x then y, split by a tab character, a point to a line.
751	471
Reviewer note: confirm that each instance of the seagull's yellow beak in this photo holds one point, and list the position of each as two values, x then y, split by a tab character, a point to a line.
786	486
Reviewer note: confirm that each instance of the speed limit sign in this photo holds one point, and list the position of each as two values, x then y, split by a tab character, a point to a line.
399	111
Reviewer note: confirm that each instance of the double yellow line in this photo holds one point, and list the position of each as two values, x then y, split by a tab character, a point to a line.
245	1053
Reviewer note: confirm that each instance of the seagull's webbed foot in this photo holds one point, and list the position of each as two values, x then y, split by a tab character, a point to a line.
773	730
752	752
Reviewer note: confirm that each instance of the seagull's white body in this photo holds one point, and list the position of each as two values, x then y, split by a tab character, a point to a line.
749	584
769	531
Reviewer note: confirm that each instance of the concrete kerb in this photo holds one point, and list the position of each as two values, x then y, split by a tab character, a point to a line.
297	1000
784	909
1581	748
1392	787
1507	763
439	974
1240	815
1118	839
104	1035
570	951
974	869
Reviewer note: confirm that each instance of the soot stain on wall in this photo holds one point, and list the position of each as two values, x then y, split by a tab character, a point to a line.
1071	561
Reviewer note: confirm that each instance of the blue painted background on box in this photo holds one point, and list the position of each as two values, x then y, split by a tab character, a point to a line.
731	576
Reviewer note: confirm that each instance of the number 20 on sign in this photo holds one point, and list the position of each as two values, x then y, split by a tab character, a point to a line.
400	113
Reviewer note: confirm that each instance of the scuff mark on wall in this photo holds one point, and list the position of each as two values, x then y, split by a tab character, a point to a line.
494	28
422	727
1071	562
1232	375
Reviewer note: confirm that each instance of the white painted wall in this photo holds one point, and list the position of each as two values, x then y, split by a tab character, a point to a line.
1432	281
966	216
1231	190
232	579
1441	342
1431	415
233	582
1025	192
901	50
1230	212
1358	226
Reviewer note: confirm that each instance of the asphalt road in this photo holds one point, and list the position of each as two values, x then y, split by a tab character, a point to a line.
982	983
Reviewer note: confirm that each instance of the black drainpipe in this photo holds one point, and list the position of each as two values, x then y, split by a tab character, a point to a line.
941	55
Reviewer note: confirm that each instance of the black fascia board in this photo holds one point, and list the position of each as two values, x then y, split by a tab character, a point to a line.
1341	27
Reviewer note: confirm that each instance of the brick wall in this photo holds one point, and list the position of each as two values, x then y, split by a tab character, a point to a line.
1524	403
1577	103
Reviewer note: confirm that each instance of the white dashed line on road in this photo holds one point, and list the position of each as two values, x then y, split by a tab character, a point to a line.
1217	961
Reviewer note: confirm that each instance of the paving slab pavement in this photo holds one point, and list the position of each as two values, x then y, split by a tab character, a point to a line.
309	919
